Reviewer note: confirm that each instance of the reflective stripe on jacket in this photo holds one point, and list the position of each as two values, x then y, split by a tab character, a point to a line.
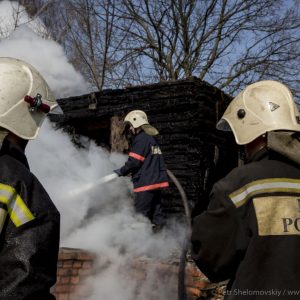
29	240
146	164
14	205
250	232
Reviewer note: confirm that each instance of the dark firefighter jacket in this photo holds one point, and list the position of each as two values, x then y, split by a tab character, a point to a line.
146	164
29	240
250	232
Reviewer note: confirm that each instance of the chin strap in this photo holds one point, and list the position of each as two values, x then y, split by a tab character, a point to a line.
36	103
242	155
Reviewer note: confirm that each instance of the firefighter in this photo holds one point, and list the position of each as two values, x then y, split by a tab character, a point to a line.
147	168
250	233
29	221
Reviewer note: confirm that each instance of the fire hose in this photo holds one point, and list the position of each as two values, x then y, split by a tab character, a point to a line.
182	294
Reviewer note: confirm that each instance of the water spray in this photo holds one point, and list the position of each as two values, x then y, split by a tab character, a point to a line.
90	186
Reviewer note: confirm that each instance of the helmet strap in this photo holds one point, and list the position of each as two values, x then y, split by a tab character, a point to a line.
242	155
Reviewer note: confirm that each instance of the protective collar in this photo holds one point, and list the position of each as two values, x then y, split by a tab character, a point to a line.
9	148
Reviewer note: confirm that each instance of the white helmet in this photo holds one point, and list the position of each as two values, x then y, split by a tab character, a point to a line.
262	107
138	118
25	98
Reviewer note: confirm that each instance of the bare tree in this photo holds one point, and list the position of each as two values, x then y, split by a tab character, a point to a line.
92	41
228	43
17	18
27	12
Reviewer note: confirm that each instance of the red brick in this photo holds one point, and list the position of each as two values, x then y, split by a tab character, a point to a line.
67	255
62	272
75	279
79	289
62	288
74	271
67	272
77	264
68	264
64	279
63	297
76	254
86	256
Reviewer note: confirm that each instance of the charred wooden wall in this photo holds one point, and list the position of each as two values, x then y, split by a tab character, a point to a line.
185	113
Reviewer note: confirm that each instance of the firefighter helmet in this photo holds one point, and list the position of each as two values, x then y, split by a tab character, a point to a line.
138	118
24	98
261	107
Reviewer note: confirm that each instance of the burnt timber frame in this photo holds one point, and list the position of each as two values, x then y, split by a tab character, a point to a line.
185	112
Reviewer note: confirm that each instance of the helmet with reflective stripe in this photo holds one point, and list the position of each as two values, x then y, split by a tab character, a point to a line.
261	107
19	79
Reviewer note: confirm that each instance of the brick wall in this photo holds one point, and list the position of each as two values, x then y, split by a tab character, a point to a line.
75	265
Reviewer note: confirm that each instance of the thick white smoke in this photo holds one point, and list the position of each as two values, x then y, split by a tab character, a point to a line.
13	15
101	220
48	57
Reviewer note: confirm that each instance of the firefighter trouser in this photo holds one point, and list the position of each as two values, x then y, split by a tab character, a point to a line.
148	203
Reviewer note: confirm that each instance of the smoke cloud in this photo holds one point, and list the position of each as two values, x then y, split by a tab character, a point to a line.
26	42
12	14
102	219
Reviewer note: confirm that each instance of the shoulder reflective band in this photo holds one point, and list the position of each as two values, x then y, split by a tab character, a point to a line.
16	208
271	185
151	187
136	156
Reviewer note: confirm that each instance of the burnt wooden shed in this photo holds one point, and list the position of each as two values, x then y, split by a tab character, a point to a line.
185	112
